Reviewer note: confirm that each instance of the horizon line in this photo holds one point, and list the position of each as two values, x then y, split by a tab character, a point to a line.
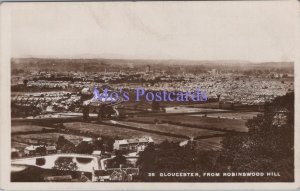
146	59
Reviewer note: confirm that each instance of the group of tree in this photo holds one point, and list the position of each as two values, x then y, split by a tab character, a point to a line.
65	163
25	111
83	147
268	146
64	145
170	157
117	161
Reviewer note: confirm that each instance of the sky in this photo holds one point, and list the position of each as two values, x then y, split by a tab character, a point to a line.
255	31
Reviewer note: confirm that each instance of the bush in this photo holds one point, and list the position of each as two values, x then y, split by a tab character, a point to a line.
83	160
40	161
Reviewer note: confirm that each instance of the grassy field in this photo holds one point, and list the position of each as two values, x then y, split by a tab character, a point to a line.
205	122
46	137
174	129
26	128
113	131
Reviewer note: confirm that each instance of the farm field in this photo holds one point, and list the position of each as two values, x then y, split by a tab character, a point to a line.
46	137
26	128
18	145
209	144
205	122
241	115
117	132
169	128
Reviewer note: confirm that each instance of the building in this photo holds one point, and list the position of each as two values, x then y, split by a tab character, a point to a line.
115	175
15	153
133	144
213	72
88	140
39	150
148	68
30	150
51	150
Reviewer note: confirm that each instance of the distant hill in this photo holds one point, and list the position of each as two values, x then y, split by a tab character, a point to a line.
97	65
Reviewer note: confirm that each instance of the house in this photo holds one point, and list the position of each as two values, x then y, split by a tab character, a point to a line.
30	150
88	140
115	174
15	153
39	150
119	175
51	150
133	144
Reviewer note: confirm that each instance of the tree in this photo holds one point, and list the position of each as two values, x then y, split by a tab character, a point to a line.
25	82
269	144
155	106
118	160
65	145
170	157
40	161
41	150
84	148
98	145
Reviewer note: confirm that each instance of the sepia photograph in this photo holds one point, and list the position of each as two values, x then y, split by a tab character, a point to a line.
150	92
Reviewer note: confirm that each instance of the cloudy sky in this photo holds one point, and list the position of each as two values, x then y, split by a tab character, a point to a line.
251	31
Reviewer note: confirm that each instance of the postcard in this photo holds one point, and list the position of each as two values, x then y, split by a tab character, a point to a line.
149	95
